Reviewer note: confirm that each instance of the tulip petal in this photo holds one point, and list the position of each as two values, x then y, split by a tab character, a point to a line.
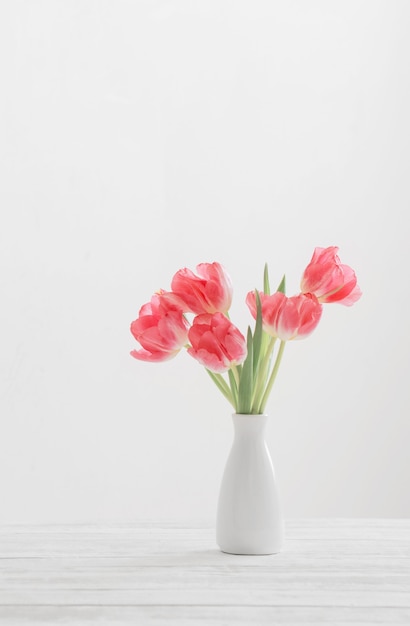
153	357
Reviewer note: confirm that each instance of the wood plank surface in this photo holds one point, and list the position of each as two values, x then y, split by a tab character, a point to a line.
330	571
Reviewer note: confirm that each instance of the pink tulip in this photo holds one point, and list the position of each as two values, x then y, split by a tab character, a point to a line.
287	318
329	280
161	329
210	291
216	343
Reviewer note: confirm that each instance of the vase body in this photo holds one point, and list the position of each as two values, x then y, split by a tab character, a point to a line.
249	518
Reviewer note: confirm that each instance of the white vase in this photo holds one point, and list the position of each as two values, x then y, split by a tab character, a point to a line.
249	518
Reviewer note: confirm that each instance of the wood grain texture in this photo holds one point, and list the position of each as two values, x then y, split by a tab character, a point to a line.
330	571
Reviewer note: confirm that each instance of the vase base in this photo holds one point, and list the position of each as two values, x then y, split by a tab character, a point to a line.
247	548
248	553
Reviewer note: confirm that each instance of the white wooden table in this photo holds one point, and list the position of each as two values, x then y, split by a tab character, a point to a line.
330	572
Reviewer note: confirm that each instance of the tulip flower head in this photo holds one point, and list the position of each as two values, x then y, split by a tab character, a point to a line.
216	343
208	291
161	329
287	318
329	280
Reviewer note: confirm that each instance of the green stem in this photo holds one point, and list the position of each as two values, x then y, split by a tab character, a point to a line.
235	372
262	374
233	380
272	376
222	386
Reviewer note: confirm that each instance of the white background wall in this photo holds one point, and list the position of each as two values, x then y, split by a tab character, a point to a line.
141	137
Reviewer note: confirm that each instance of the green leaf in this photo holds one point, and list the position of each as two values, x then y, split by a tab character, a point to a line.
282	285
246	380
234	387
266	287
266	291
257	335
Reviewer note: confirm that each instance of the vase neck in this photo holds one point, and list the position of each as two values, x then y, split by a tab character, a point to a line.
249	425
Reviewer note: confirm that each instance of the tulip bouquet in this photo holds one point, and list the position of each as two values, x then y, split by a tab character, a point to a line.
243	369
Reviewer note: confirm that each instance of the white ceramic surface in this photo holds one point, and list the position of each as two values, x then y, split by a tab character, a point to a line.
249	518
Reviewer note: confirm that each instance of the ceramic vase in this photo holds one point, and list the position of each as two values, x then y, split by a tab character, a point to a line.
249	518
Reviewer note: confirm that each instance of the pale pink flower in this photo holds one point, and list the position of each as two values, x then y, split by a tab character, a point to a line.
329	280
161	329
216	343
287	318
208	291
